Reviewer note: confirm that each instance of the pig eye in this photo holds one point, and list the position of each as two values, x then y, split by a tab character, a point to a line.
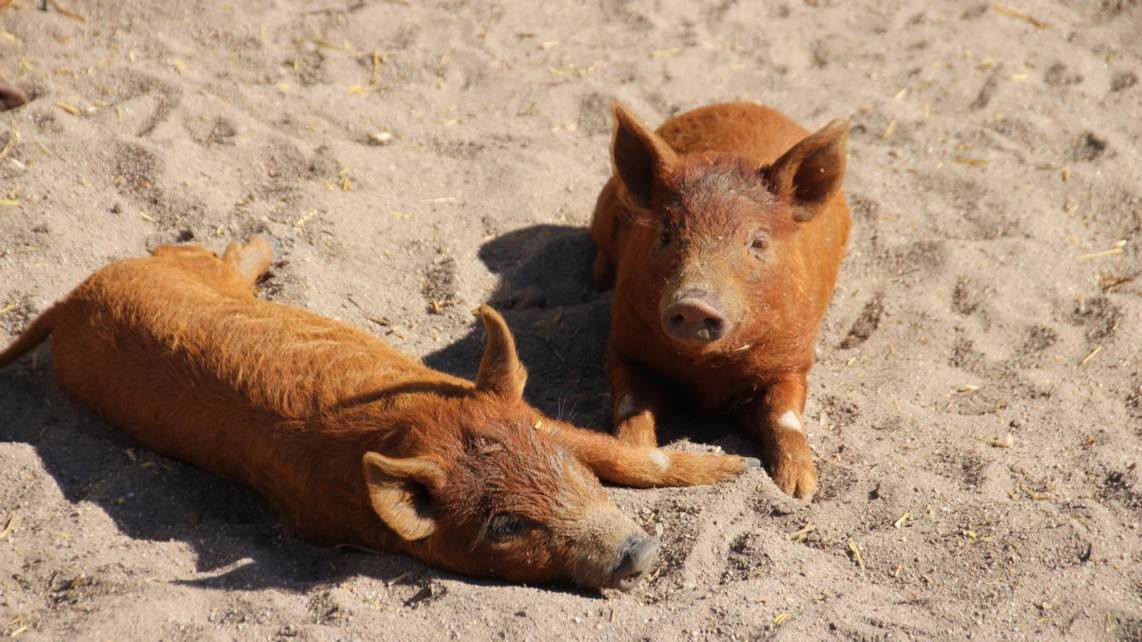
665	237
759	243
508	525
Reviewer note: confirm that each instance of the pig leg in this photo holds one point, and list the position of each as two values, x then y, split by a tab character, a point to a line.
775	419
641	467
251	259
637	400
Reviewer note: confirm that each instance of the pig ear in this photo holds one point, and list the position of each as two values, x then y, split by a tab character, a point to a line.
811	171
501	372
640	156
399	491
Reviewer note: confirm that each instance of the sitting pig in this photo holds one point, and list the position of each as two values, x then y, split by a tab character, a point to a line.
721	234
352	442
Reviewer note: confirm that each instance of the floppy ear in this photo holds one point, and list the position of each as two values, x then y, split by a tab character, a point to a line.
501	372
399	491
811	171
640	156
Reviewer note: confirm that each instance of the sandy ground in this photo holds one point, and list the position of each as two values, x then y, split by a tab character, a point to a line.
976	408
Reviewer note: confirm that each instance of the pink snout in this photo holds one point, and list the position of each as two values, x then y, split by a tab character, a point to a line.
696	317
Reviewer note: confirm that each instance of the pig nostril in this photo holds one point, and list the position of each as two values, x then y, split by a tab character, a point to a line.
694	318
713	327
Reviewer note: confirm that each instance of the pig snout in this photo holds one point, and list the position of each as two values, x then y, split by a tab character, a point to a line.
636	557
696	316
611	551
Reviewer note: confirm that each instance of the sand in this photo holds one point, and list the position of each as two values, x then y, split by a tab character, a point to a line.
977	403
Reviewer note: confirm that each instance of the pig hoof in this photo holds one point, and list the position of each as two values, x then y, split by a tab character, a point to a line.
799	481
751	462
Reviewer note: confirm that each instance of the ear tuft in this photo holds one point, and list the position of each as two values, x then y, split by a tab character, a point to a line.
812	171
399	490
641	158
501	372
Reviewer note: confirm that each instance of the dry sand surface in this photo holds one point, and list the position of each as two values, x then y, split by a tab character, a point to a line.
976	408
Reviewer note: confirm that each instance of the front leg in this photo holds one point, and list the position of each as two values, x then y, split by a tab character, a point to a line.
639	466
637	400
775	419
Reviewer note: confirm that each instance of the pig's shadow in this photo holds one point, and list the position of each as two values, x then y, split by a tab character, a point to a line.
239	542
561	325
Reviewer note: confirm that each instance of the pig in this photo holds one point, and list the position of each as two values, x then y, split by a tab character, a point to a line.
721	234
350	441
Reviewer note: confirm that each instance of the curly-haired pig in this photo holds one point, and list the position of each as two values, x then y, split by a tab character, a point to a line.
721	233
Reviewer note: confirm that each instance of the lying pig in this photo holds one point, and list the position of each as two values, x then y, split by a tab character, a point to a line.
352	442
722	234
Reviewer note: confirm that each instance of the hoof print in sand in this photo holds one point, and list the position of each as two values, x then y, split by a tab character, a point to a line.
1123	80
1089	147
866	323
746	559
439	288
1100	317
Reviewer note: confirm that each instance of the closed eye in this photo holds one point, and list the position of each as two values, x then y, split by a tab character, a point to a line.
505	526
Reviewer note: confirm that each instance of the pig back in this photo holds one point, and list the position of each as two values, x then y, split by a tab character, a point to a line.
234	385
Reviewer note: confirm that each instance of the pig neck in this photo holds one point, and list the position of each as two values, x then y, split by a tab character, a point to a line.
329	501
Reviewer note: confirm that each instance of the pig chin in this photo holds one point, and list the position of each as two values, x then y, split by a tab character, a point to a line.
612	552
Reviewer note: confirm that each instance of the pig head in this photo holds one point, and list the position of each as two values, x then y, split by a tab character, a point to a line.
472	485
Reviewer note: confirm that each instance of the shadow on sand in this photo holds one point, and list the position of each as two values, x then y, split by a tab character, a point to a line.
561	325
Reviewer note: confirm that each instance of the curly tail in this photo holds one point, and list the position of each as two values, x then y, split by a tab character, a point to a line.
33	336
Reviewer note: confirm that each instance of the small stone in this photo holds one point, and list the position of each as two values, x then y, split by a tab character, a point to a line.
11	96
380	138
